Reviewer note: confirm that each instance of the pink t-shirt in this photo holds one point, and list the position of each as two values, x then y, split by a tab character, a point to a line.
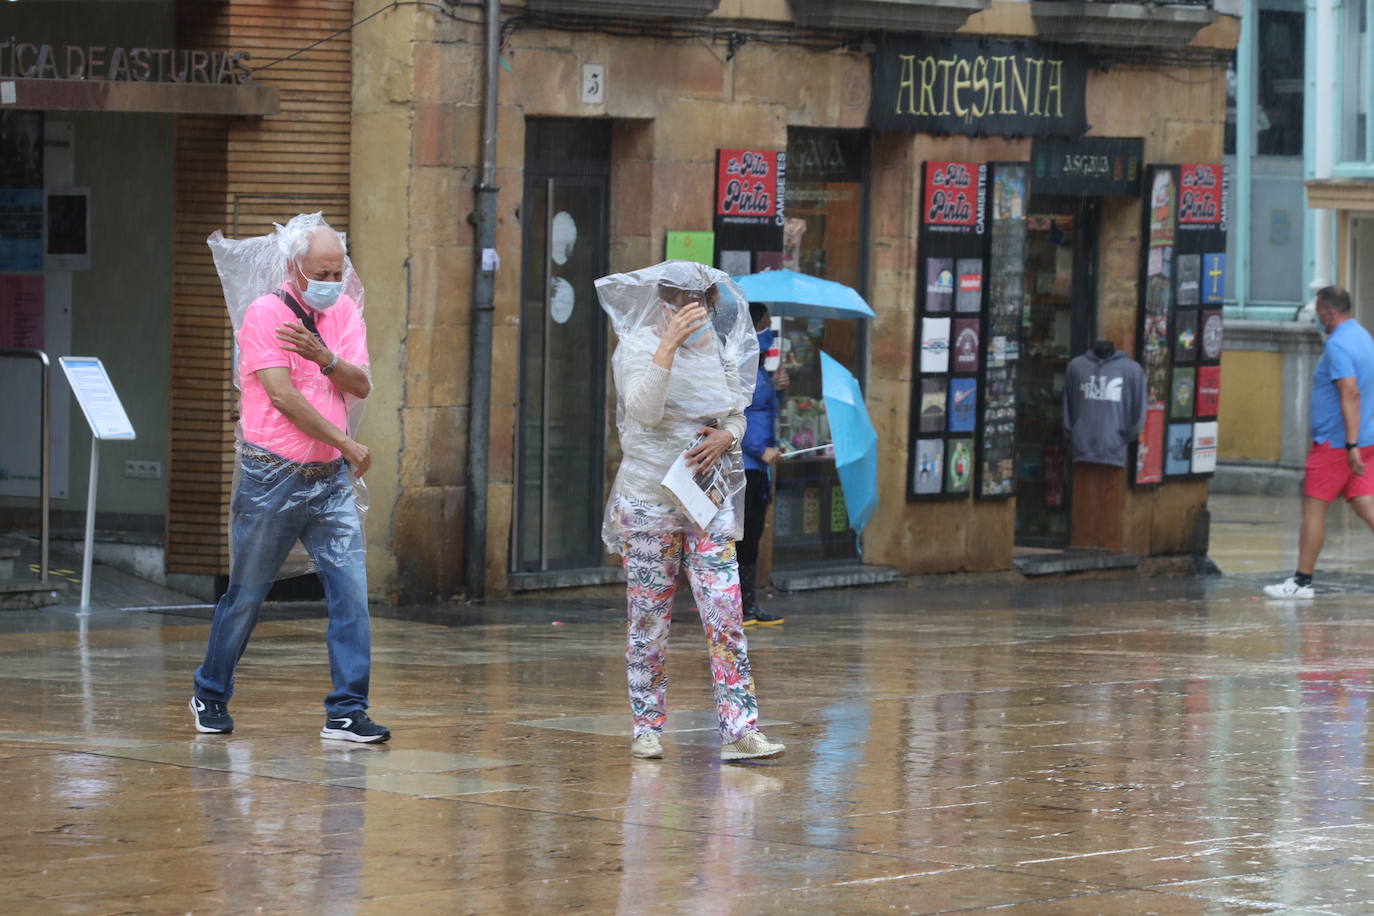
344	333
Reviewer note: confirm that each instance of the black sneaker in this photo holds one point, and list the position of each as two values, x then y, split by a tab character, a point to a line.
212	716
355	726
762	619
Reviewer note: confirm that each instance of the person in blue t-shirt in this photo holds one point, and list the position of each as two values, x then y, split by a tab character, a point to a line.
1342	446
760	446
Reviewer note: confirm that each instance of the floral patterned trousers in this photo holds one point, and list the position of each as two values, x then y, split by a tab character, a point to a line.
657	540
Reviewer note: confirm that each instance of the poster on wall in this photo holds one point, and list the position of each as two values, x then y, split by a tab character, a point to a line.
1210	336
68	239
1178	459
1005	305
1208	397
21	311
1153	339
1150	451
928	466
750	209
1205	447
949	326
21	190
695	246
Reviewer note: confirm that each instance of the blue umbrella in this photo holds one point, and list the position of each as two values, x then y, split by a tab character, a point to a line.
795	295
856	442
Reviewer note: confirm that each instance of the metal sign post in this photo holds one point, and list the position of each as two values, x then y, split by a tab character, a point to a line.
105	415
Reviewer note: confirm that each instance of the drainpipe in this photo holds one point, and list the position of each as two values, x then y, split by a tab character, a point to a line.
1323	135
483	304
1247	100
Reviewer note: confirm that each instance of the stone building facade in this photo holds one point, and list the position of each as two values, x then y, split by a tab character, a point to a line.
753	74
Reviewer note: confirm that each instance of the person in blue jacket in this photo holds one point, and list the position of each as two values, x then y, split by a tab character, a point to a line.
760	446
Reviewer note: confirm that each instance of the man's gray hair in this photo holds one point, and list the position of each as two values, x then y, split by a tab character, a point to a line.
293	239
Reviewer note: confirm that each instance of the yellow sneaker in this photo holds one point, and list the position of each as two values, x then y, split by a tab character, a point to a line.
646	747
752	745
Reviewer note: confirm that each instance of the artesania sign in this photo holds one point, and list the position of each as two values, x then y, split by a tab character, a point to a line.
750	185
946	86
101	63
953	199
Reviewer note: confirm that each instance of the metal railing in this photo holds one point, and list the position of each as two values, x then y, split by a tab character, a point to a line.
26	353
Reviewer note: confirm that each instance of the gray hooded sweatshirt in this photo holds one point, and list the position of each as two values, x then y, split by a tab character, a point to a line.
1104	406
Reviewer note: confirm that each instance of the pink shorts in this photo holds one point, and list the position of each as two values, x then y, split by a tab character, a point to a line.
1329	475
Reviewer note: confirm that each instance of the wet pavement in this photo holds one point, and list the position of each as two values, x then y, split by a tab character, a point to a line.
1111	745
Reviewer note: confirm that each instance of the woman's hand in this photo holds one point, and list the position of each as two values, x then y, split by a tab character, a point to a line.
685	322
708	451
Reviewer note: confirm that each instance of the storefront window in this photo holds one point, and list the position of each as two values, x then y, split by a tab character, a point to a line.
1280	83
1354	79
826	202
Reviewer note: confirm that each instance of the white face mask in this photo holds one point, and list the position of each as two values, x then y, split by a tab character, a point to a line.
320	294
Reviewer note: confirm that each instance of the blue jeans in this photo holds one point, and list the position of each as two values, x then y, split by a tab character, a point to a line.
273	508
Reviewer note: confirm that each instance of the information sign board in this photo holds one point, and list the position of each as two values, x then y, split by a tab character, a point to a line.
96	394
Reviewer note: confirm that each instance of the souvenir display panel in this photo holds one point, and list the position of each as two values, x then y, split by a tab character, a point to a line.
996	473
1183	282
952	290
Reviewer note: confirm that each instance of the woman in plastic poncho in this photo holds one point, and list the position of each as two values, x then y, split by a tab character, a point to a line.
684	367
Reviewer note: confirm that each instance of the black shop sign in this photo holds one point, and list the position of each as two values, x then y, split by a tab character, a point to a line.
1088	166
980	88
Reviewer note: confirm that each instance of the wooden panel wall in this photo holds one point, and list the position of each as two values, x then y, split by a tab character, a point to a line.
240	175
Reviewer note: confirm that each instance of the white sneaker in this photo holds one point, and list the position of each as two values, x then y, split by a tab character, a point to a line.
646	747
1289	588
753	744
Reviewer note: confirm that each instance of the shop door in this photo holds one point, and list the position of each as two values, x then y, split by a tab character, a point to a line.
560	453
1058	324
827	208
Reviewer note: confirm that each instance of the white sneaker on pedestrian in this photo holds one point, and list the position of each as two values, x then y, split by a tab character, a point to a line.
646	747
752	745
1289	588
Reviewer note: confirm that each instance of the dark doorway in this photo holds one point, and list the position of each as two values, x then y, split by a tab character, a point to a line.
1059	323
560	449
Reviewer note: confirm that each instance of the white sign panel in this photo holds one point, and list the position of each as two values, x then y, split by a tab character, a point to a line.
96	395
593	84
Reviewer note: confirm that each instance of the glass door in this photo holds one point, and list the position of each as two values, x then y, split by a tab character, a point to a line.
560	454
827	206
1058	323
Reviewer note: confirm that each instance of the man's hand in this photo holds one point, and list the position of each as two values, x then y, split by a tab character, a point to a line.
770	455
297	339
358	456
1352	455
708	452
781	379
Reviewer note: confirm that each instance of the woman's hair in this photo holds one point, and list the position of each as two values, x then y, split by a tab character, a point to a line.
676	295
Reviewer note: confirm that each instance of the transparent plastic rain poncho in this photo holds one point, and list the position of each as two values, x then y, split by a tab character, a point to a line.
254	267
711	379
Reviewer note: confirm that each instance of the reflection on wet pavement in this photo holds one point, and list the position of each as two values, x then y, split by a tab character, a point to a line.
1108	746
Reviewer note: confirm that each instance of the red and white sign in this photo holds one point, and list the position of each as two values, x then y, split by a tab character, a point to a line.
952	193
747	188
1201	194
1150	452
1208	397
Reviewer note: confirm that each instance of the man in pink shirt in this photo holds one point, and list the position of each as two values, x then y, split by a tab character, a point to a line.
302	353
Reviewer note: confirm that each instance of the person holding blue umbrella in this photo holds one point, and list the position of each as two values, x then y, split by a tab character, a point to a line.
760	447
